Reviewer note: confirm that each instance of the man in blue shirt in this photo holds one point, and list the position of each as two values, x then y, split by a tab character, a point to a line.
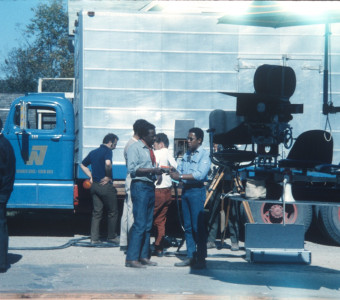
192	171
104	194
141	164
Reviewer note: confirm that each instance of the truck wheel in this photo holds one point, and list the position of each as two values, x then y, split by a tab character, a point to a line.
272	213
329	219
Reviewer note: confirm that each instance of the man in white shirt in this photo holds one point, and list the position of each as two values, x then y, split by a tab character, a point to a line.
163	189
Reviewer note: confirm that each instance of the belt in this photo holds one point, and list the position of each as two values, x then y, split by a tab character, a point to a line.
193	185
144	181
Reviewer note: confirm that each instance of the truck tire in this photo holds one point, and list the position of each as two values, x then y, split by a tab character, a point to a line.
329	220
270	213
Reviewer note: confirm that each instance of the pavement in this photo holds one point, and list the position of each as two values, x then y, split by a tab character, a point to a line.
99	273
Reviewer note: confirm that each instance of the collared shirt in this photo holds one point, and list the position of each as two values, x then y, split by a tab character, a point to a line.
128	144
96	158
138	156
131	141
165	159
197	164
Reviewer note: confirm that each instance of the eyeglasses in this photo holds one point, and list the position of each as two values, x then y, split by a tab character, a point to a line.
190	139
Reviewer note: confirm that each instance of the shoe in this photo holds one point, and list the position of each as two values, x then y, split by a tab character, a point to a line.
95	242
114	241
3	270
184	263
211	245
123	248
199	264
147	262
158	253
134	264
234	246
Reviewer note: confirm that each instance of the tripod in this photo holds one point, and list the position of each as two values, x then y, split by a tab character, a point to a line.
218	183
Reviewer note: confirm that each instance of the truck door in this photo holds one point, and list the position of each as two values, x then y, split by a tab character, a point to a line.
42	135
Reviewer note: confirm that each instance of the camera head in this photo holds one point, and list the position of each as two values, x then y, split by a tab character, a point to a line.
261	118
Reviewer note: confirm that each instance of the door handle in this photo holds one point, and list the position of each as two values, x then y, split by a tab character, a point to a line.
56	137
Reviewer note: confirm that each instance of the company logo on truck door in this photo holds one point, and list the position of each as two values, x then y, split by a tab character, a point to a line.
37	155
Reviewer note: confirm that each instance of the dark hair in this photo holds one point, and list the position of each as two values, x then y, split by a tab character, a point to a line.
162	137
198	132
110	137
138	123
0	124
143	131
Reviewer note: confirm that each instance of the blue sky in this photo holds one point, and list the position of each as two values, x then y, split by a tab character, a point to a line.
14	16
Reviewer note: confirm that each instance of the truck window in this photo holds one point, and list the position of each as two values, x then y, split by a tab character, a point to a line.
37	118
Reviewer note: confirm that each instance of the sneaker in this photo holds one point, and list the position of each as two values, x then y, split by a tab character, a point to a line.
184	263
95	242
134	264
147	262
115	240
211	245
234	246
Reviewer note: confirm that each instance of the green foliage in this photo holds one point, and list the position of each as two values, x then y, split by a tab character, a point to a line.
45	51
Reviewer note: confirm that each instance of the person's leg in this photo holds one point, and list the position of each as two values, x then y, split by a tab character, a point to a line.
123	226
150	191
191	246
140	201
196	203
130	218
97	212
109	198
124	221
3	235
160	218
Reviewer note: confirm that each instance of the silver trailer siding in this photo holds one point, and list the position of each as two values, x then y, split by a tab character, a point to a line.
168	67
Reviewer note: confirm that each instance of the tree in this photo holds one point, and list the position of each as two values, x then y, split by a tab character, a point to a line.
44	52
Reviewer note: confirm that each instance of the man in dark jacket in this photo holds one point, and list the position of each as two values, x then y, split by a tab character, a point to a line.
7	174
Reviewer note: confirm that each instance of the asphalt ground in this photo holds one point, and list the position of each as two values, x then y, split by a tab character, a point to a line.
80	272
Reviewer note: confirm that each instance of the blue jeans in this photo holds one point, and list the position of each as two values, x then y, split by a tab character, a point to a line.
194	226
143	199
3	232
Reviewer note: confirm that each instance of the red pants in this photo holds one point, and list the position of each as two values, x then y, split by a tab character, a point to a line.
162	202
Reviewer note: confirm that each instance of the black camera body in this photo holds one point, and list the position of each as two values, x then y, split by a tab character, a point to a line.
261	118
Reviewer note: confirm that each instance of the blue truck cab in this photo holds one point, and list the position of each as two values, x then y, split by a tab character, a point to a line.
40	128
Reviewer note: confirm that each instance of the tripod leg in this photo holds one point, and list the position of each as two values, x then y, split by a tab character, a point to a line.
214	187
248	211
181	243
226	223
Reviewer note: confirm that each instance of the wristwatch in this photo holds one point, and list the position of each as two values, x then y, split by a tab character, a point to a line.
180	177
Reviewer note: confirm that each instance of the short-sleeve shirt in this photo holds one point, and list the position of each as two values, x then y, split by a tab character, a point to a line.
96	158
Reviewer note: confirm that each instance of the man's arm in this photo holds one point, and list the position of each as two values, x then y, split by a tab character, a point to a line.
145	171
108	173
87	171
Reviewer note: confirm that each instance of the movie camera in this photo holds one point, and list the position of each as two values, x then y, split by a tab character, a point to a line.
261	119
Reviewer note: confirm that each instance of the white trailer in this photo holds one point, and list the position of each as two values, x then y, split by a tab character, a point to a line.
169	68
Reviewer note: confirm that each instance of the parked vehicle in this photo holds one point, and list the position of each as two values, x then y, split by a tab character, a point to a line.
170	70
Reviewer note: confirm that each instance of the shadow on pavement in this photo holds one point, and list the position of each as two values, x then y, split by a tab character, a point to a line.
275	275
